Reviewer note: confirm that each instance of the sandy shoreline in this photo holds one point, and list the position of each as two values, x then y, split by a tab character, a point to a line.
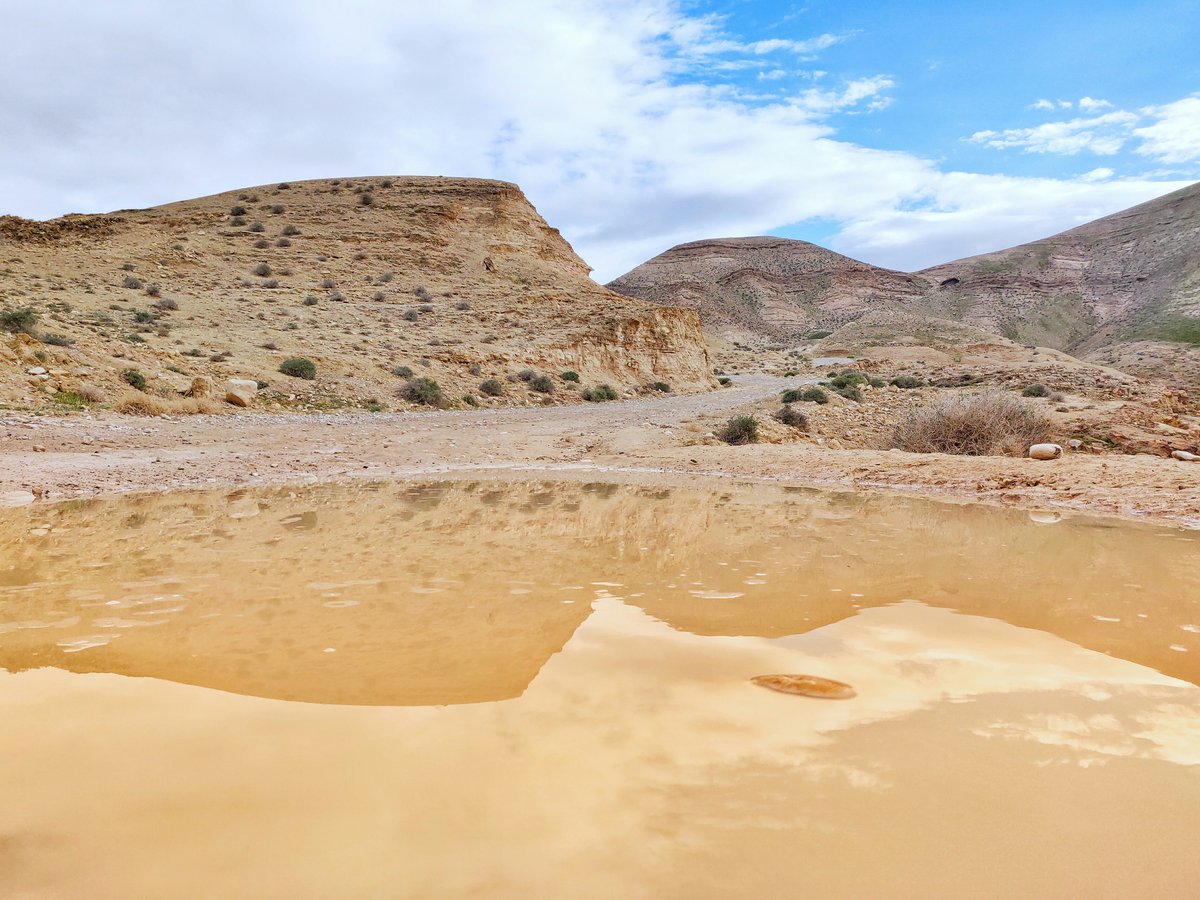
60	458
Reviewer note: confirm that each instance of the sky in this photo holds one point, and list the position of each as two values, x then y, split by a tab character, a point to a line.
901	133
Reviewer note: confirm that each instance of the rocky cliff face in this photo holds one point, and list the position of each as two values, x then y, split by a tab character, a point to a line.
459	280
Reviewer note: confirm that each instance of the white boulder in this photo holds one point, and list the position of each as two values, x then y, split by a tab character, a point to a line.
1045	451
241	391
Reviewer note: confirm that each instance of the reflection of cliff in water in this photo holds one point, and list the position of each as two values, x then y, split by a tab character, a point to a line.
431	593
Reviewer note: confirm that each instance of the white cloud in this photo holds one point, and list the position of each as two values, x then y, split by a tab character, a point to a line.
1175	135
593	107
1104	135
1042	104
1100	174
1088	104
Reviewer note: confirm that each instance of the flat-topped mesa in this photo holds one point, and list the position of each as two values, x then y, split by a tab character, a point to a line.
456	279
768	286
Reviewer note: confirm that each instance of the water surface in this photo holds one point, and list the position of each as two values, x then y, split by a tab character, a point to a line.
495	689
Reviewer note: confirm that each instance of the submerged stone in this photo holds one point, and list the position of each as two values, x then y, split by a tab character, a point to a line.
807	686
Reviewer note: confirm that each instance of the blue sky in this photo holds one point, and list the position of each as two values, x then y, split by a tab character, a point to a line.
904	134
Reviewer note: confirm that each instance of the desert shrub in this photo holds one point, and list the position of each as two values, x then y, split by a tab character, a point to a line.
258	227
470	400
527	374
70	399
492	387
421	291
402	372
299	367
310	300
140	405
876	382
410	315
661	386
127	267
792	417
134	378
271	283
262	269
849	391
385	277
277	209
238	220
20	319
425	391
290	231
153	290
846	379
987	424
542	384
599	394
134	284
806	395
337	297
462	305
724	382
143	316
570	376
366	200
237	211
359	256
740	430
907	381
55	340
167	303
425	308
328	283
283	242
262	244
1036	390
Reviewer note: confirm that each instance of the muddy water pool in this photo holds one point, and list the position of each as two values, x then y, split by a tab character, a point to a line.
542	689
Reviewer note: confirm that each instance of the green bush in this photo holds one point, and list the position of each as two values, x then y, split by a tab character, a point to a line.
724	382
134	378
425	391
56	340
740	430
907	381
570	376
299	367
542	384
849	391
1036	390
847	379
808	395
661	387
492	387
527	374
599	394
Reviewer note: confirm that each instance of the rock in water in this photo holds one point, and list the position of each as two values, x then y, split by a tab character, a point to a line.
807	686
1184	455
1045	451
241	391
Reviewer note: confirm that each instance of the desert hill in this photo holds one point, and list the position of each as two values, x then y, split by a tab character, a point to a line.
1122	291
458	280
766	286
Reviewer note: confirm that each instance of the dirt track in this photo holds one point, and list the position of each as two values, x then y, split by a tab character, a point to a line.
60	458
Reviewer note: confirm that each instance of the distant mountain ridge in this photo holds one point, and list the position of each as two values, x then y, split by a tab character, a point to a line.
1125	280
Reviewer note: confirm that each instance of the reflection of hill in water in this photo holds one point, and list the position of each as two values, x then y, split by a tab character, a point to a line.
432	593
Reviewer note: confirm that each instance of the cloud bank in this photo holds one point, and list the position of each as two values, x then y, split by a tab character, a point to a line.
611	114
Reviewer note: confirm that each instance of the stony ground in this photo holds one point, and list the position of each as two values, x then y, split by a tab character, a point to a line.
54	458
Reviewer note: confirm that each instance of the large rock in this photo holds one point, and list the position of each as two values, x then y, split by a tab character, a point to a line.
1045	451
241	391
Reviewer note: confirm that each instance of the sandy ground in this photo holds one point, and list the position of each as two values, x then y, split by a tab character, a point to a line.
59	458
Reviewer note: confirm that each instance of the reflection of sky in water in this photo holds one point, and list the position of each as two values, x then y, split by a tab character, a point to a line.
624	752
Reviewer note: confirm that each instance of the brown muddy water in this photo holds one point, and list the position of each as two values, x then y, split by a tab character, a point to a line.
542	689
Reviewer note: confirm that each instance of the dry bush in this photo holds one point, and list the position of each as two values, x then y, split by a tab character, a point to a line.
131	404
136	404
91	393
987	424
